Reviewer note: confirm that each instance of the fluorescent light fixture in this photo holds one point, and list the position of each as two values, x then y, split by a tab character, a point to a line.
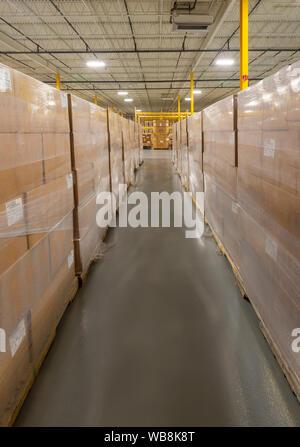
225	62
128	99
122	93
187	99
138	110
95	64
197	92
167	99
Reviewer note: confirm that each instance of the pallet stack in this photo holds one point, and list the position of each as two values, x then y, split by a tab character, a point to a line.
269	200
128	151
195	154
117	174
90	164
161	134
147	140
220	172
36	228
184	151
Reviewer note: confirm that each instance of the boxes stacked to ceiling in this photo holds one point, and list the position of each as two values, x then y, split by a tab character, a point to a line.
116	153
269	199
178	145
184	151
161	134
90	163
220	172
128	151
37	277
195	154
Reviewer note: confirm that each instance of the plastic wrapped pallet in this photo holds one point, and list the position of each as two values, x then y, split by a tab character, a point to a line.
174	144
195	154
139	131
128	151
161	134
184	152
269	198
220	172
116	153
90	163
179	158
37	277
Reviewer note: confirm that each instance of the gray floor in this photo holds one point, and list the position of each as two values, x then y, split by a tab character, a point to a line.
160	335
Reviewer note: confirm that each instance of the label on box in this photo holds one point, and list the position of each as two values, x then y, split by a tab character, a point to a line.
269	147
71	258
69	178
5	81
234	207
271	248
63	100
15	340
14	211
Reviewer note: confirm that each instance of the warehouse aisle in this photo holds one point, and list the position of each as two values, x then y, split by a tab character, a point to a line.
159	335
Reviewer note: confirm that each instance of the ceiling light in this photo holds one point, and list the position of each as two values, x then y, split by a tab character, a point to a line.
122	93
138	110
128	99
167	99
95	64
187	99
225	62
197	92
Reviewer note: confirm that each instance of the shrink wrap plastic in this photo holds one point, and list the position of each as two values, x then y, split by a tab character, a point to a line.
90	162
269	199
128	150
195	154
116	152
37	276
184	151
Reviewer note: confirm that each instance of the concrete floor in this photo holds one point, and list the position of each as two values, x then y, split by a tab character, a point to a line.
160	336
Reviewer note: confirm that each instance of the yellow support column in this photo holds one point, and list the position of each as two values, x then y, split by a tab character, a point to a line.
192	93
243	44
57	81
178	108
96	100
122	114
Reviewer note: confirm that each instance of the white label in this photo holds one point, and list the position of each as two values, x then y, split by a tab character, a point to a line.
17	337
14	211
5	82
70	258
63	99
269	147
234	207
271	248
69	178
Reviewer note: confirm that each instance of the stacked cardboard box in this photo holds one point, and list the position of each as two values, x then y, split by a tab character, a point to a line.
175	144
116	153
184	151
128	151
269	198
178	142
147	139
37	277
220	172
90	163
195	153
140	144
161	134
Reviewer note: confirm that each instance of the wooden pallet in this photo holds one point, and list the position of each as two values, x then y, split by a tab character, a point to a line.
37	367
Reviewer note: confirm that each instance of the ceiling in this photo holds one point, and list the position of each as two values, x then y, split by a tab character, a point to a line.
61	36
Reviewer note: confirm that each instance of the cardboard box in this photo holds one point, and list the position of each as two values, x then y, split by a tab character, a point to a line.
21	164
61	243
47	205
13	240
57	156
221	116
